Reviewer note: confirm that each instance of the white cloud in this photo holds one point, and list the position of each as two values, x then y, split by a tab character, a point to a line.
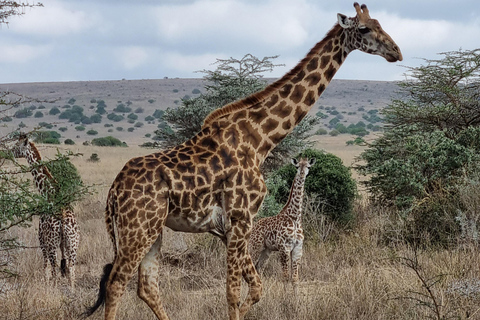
23	53
52	20
273	23
132	57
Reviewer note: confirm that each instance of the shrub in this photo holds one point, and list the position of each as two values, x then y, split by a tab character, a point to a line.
51	137
334	133
63	129
196	91
96	118
132	116
69	141
23	113
38	114
329	181
139	110
122	108
80	128
108	141
321	131
92	132
94	158
115	117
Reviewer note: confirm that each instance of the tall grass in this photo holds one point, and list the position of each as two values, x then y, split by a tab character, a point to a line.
344	274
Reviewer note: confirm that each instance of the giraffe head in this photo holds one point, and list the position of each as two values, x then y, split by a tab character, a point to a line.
21	147
366	34
303	165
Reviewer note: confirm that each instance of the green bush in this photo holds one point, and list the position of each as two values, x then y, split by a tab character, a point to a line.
108	141
80	128
38	114
321	131
51	137
92	132
69	141
329	180
23	113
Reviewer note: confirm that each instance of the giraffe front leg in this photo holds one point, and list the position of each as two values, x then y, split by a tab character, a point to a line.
297	253
285	262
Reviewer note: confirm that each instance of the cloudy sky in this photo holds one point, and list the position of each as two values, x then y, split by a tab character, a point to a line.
70	40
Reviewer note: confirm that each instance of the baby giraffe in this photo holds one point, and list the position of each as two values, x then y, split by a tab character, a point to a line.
283	232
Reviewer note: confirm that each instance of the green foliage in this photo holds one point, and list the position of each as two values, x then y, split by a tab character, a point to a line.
122	108
108	141
38	114
321	131
196	91
132	116
94	157
328	181
405	167
92	132
158	114
430	147
23	113
73	114
80	128
71	101
115	117
69	142
151	100
96	118
51	137
54	111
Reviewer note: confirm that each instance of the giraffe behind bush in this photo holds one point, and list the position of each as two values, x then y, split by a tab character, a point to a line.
56	229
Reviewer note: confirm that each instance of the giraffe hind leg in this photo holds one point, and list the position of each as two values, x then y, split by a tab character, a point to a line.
148	273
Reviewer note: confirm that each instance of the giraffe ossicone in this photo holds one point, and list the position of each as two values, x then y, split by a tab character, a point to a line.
212	182
55	230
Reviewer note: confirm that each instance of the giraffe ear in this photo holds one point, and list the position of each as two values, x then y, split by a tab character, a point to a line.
344	21
294	162
312	161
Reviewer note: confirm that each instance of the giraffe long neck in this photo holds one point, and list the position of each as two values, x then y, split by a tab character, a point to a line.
265	118
294	205
42	176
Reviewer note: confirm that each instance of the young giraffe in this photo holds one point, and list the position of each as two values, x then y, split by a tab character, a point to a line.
212	183
283	232
53	230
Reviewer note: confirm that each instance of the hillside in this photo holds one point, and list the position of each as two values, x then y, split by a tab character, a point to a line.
350	101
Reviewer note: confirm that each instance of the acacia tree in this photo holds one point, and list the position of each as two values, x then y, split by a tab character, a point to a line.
443	95
232	80
430	148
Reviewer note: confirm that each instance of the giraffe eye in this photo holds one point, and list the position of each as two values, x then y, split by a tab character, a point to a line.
364	30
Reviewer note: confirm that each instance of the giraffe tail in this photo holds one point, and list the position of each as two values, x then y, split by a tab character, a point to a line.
63	267
102	293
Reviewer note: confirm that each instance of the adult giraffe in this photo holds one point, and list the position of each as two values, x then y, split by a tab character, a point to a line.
212	183
59	229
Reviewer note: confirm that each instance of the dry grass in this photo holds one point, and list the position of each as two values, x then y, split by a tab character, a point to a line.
344	275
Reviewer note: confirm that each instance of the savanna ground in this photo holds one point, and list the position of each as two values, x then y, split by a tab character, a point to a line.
343	275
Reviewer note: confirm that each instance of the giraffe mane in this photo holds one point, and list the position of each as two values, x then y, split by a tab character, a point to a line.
260	96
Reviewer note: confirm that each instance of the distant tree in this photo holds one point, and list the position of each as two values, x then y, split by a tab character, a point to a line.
54	111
